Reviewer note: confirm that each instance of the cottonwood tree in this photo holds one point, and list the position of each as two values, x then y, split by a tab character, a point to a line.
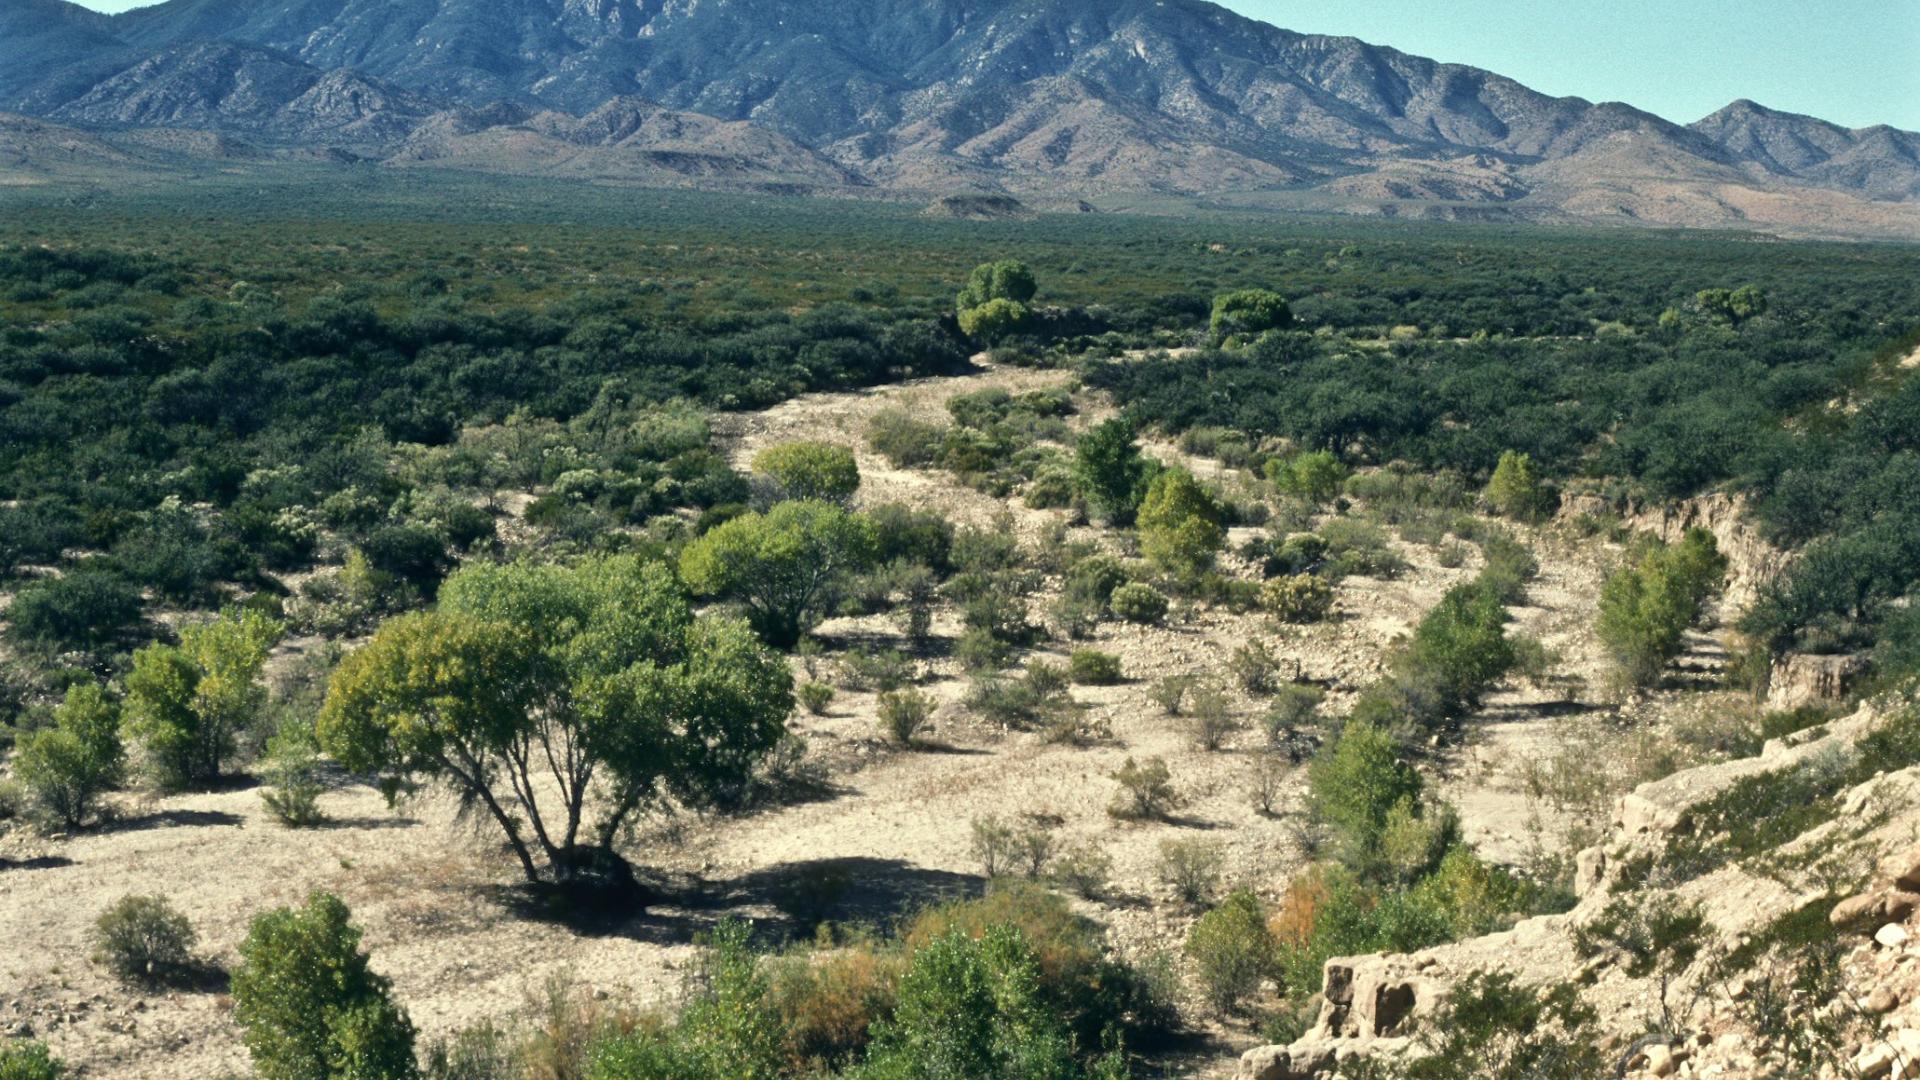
782	566
560	701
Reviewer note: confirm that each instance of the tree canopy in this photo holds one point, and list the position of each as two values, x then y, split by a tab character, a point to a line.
561	700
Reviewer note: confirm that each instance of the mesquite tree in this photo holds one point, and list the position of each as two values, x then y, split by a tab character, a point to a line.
559	701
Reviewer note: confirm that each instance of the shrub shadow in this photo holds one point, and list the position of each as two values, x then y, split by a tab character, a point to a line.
170	819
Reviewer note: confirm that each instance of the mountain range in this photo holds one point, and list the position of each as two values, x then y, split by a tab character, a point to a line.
1033	98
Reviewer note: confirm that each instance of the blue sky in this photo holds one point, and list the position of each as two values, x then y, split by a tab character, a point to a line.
1855	62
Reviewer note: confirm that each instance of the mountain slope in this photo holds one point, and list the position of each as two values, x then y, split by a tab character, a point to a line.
1879	162
1056	96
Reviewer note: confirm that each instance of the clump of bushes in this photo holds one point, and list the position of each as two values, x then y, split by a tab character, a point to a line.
1646	607
1233	950
66	768
1299	598
307	1003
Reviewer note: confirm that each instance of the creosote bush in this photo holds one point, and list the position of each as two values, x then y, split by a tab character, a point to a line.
144	940
1297	598
904	714
1091	667
815	697
1136	602
1191	868
1146	790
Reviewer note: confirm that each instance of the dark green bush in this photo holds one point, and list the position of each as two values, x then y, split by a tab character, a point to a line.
307	1004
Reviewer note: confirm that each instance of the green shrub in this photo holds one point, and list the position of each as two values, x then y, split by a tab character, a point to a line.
1461	645
903	440
307	1004
1139	603
1036	697
1646	608
729	1030
1254	666
1091	667
292	777
1361	550
1355	784
1179	521
1211	718
1302	598
822	472
1146	790
994	320
22	1059
1109	470
144	940
815	697
1233	950
1300	553
1516	491
1170	692
1248	312
1084	869
1314	475
1294	706
66	768
1191	868
84	609
973	1007
187	704
904	714
782	566
884	670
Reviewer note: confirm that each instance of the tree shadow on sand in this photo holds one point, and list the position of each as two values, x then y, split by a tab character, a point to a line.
668	908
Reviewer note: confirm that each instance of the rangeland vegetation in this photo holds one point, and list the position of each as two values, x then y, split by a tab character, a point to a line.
828	646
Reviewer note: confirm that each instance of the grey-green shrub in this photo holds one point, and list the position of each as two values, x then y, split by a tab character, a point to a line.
144	940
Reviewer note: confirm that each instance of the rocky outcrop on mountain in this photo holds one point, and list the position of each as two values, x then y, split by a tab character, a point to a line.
1030	97
626	139
242	88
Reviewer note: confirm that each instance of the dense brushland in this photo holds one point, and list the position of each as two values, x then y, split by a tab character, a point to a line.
478	445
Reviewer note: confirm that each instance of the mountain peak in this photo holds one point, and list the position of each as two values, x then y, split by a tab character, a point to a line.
1179	96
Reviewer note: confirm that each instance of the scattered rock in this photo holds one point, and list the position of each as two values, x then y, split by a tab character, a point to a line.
1891	936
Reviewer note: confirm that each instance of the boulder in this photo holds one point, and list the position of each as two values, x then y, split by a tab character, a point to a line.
1799	679
1300	1061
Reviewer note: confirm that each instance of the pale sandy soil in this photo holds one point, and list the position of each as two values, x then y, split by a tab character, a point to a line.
436	897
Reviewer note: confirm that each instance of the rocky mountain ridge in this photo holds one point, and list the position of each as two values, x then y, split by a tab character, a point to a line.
1079	97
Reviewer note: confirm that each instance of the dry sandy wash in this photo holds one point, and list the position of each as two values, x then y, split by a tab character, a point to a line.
437	896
